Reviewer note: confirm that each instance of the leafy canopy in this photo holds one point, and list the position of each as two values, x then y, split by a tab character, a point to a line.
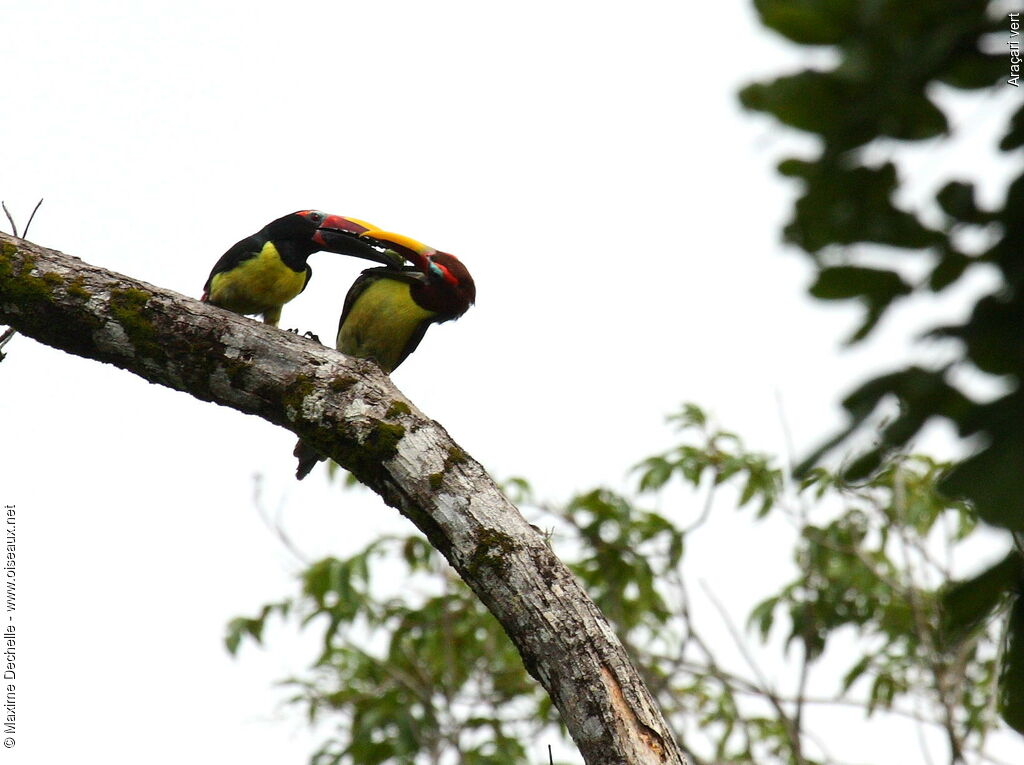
421	672
893	57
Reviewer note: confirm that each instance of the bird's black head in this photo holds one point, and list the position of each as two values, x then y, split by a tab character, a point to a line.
296	227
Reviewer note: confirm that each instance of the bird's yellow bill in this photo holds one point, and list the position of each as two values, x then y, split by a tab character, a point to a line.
365	224
400	239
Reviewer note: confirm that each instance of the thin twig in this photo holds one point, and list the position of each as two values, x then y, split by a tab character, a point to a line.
804	515
801	689
922	739
710	667
787	436
14	227
992	708
706	511
769	692
917	581
748	688
275	524
24	234
6	338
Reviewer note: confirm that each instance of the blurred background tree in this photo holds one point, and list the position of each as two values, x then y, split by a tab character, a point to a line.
894	62
419	671
894	65
873	540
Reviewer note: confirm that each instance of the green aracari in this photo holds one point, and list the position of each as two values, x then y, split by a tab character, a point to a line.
262	272
388	310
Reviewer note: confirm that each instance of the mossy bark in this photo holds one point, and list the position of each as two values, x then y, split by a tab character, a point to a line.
352	412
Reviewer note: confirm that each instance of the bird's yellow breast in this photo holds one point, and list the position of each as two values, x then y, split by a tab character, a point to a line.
381	322
257	285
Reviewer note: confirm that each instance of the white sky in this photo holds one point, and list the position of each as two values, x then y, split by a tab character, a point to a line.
589	164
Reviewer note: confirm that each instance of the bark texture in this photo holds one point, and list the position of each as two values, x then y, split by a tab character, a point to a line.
351	411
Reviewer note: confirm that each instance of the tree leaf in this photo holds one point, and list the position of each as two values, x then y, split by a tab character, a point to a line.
966	604
809	22
993	481
1011	679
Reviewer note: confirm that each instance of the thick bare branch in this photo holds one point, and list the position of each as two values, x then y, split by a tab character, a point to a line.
351	411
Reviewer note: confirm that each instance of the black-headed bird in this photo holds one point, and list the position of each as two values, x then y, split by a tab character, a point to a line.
261	273
388	310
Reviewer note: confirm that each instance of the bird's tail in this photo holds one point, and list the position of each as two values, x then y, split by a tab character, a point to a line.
308	457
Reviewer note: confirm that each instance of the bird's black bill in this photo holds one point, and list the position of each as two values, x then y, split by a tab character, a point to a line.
350	243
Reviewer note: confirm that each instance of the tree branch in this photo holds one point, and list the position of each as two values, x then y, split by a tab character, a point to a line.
14	226
348	409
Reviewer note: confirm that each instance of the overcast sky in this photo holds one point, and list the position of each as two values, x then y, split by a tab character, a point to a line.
590	166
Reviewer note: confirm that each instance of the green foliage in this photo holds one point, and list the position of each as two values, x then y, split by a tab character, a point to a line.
869	568
425	673
719	454
1011	702
891	57
807	21
629	549
1014	138
845	202
889	52
447	677
966	605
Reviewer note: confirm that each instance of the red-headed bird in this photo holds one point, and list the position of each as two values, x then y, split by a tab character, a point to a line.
388	310
264	271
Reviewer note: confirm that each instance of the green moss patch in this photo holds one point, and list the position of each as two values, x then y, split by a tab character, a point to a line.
295	394
364	460
396	409
77	289
127	307
493	551
19	286
341	384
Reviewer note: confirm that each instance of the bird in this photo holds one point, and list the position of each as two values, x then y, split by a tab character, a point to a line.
262	272
388	310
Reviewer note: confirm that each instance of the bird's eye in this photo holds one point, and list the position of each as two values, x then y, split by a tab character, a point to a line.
316	217
442	273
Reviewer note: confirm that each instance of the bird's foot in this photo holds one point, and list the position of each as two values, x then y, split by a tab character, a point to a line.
307	334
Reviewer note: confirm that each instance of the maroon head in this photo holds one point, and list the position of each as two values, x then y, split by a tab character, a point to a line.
448	289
